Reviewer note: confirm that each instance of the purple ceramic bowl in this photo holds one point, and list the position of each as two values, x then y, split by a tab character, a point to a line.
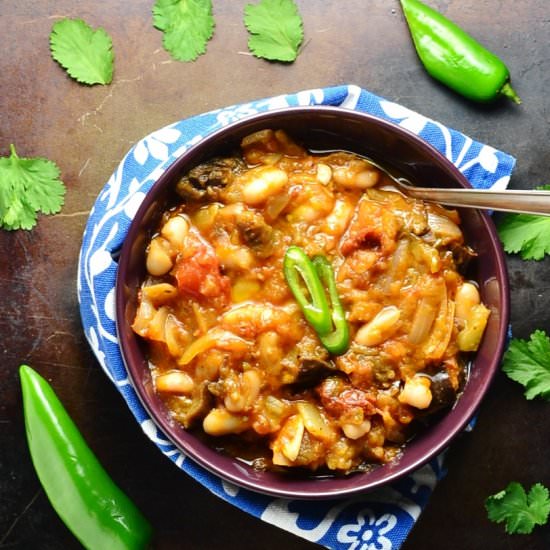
322	128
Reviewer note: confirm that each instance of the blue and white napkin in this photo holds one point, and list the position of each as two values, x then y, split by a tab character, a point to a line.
379	520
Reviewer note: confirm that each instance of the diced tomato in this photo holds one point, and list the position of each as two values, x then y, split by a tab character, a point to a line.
339	398
200	275
373	226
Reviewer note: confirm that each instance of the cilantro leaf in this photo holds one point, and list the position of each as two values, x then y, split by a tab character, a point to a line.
526	234
85	54
519	510
187	25
528	362
276	29
28	186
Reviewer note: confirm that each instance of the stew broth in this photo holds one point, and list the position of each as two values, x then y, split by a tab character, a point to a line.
230	350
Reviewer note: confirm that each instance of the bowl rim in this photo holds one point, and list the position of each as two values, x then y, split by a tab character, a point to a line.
436	439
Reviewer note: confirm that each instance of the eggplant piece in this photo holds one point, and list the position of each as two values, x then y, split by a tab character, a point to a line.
463	255
256	233
443	393
310	362
206	180
312	372
201	403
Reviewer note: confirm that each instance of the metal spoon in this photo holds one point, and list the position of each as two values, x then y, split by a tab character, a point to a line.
510	200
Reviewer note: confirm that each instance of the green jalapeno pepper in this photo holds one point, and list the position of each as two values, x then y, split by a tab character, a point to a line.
328	319
454	58
98	513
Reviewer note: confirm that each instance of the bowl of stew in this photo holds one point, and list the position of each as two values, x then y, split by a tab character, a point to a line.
293	322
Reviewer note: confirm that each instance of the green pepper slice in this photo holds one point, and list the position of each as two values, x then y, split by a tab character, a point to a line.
97	512
326	316
298	268
336	341
453	57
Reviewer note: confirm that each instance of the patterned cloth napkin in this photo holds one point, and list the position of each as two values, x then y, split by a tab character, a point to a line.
377	520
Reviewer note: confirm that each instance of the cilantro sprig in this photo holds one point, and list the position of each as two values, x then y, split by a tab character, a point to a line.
28	186
85	54
187	25
526	234
276	29
528	362
520	511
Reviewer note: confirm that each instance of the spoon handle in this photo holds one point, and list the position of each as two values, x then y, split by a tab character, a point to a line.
512	200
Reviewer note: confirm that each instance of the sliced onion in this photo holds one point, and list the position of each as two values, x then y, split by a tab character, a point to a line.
441	332
290	437
275	205
314	422
144	314
156	328
220	339
159	293
423	320
176	336
443	228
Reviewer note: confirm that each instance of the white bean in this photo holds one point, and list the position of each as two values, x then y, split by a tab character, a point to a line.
356	176
265	182
174	382
355	431
305	213
222	422
338	220
416	392
324	173
467	296
235	257
367	179
380	328
175	230
158	260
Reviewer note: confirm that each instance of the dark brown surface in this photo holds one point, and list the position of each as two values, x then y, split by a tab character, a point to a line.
87	130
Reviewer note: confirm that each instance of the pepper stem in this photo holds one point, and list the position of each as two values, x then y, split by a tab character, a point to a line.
510	93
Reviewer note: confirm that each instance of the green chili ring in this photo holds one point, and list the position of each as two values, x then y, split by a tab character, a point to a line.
336	341
328	319
298	267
